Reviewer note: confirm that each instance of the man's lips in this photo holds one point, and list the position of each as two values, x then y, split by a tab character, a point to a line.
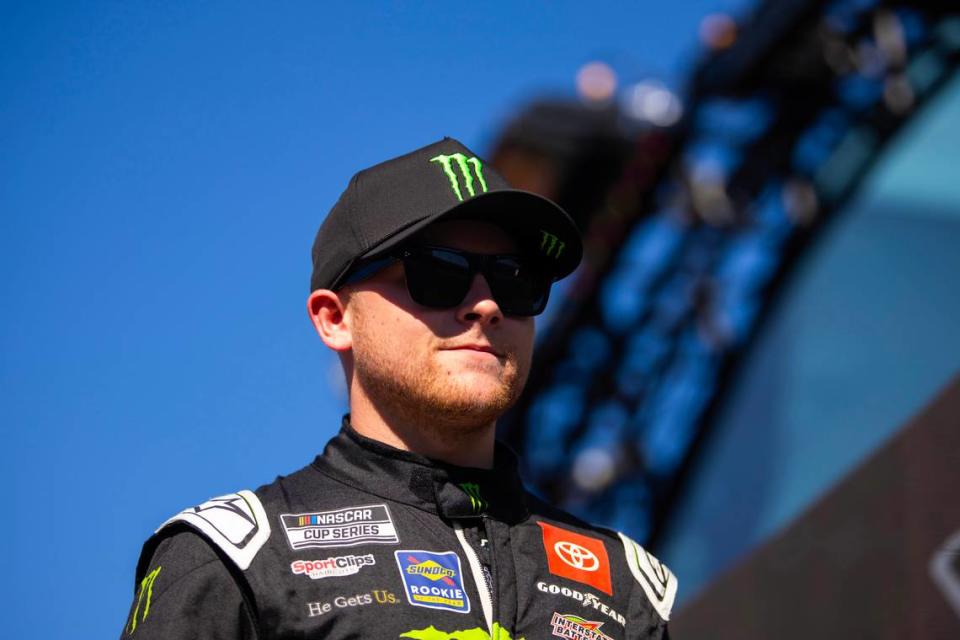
484	348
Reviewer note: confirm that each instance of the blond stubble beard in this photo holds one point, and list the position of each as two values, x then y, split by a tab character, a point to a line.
420	391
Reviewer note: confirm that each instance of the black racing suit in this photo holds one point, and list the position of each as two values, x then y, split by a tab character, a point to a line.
372	542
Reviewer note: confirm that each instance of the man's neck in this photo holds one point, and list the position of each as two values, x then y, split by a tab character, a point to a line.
461	445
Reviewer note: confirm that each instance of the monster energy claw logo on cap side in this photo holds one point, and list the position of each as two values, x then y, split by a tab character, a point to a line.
551	245
463	163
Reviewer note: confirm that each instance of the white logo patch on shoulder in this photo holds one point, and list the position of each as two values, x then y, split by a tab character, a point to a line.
657	581
237	523
945	570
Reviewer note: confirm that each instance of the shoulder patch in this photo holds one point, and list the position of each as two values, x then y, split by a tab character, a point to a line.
657	581
237	523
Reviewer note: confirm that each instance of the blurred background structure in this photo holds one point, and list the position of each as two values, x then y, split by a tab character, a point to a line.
768	294
699	208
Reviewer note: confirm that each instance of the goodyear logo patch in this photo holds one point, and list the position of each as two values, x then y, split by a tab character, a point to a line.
433	580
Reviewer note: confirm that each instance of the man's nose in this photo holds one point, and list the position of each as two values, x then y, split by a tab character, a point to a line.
479	305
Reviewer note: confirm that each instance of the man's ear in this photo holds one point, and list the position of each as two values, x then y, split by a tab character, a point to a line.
328	312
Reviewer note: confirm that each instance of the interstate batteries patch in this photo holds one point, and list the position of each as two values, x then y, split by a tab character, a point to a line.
348	527
433	580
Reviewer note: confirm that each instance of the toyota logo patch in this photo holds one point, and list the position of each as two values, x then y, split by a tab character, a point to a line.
577	557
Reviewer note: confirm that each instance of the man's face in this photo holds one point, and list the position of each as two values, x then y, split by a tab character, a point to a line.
463	366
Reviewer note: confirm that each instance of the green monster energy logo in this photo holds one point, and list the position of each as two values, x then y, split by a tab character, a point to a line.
551	245
432	633
146	586
463	163
477	502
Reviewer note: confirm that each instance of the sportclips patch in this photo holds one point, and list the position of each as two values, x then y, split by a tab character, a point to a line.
433	580
348	527
332	567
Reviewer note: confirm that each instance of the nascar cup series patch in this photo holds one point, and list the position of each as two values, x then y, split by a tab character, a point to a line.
433	580
348	527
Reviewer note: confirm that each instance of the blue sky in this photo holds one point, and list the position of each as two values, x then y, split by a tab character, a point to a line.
164	169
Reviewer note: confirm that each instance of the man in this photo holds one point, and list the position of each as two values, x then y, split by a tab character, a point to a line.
413	522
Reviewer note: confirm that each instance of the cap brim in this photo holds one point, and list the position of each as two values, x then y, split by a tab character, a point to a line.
541	227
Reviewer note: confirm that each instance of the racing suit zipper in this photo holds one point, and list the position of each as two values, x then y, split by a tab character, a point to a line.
481	578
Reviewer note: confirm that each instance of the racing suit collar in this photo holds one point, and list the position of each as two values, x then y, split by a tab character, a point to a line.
446	490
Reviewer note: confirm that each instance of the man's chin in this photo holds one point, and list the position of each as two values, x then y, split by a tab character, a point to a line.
485	385
478	396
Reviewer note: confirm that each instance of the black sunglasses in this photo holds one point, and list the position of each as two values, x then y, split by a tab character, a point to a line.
440	277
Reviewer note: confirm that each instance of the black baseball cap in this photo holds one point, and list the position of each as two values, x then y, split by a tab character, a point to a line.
388	203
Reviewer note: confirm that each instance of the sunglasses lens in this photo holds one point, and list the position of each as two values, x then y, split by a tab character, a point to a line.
436	277
440	278
519	288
